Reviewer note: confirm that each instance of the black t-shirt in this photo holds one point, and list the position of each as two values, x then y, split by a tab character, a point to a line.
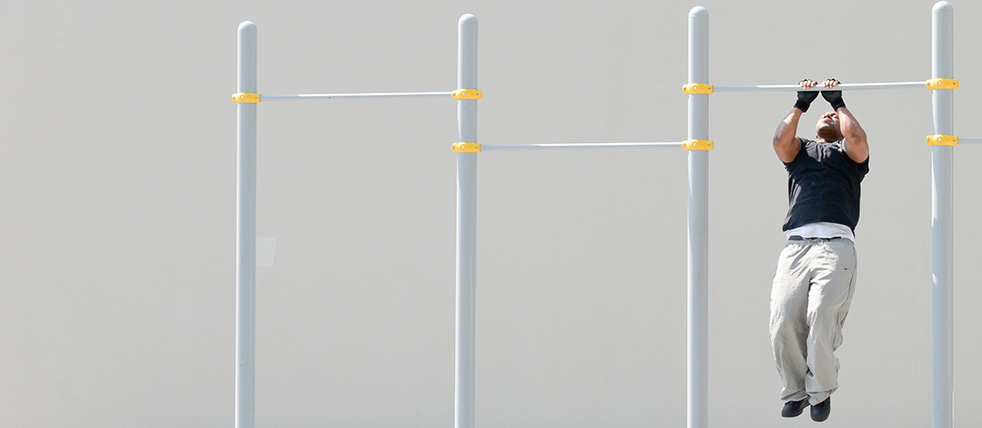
823	185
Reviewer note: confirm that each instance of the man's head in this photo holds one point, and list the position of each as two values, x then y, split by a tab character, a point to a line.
827	127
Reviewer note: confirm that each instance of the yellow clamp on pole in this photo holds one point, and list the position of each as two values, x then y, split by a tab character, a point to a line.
698	145
697	88
468	94
942	84
942	140
467	147
245	97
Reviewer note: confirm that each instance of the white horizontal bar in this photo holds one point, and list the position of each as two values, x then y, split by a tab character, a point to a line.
841	86
492	147
354	95
969	140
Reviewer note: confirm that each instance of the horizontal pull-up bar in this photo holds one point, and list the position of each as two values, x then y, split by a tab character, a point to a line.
970	139
841	86
542	146
355	95
460	94
490	147
705	88
245	97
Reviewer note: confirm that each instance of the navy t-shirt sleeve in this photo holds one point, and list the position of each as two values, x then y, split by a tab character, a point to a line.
797	157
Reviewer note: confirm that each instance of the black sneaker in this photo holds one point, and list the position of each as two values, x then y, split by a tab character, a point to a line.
794	408
820	411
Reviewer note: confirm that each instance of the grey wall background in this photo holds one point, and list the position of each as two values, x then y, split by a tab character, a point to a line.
118	176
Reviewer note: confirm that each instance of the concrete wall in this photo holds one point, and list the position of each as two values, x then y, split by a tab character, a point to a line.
117	182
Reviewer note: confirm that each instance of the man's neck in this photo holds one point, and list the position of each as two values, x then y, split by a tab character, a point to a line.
827	138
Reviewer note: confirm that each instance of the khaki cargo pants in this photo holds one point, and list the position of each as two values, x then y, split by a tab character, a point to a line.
810	297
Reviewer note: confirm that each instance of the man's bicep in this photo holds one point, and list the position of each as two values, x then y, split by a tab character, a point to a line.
857	149
787	152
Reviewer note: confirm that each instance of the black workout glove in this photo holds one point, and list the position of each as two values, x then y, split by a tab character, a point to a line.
805	99
834	98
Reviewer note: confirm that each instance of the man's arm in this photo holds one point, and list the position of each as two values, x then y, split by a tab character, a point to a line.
786	144
854	135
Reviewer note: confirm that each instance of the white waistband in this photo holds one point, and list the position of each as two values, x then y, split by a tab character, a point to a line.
823	230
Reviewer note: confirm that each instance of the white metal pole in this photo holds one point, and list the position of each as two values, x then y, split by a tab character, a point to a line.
466	227
245	273
698	225
942	209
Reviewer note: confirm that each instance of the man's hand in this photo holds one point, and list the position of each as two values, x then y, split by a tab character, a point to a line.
833	97
805	98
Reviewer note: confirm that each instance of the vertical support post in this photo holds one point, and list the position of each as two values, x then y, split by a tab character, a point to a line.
245	267
698	221
942	209
466	227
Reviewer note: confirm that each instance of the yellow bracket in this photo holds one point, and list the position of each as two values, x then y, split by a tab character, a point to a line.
245	97
467	147
468	94
698	145
942	84
697	88
942	140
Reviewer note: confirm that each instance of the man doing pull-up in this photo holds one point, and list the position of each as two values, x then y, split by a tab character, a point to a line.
816	272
